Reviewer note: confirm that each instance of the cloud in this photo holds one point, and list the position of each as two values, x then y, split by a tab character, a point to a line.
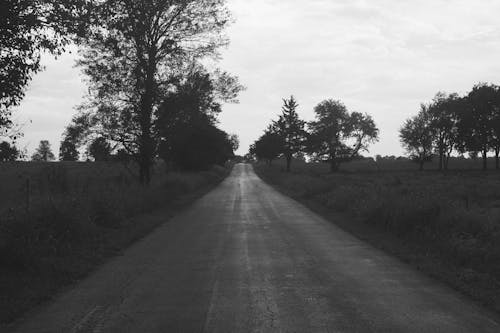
383	57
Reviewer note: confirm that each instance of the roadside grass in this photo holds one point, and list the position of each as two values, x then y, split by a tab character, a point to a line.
78	215
446	224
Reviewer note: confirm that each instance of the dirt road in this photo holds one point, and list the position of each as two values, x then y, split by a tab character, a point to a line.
245	258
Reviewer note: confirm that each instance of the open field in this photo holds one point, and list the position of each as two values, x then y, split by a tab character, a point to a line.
447	224
59	220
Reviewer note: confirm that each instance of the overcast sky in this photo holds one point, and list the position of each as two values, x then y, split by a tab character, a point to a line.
382	57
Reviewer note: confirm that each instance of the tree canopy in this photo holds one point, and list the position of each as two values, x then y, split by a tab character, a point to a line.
132	57
8	152
27	29
417	137
268	147
44	152
337	135
291	129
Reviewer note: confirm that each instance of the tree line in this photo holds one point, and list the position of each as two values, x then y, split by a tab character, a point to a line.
335	136
150	96
451	123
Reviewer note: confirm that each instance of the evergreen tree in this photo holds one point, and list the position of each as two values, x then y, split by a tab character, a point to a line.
291	129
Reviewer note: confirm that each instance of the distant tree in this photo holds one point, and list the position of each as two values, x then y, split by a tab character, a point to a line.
495	124
443	112
8	152
268	147
68	150
476	121
291	130
235	141
100	149
43	153
337	136
417	137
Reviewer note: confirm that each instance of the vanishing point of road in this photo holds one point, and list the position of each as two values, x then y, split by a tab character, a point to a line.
245	258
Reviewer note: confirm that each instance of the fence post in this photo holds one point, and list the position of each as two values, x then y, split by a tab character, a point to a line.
28	193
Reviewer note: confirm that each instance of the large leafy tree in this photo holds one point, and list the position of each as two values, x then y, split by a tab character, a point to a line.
337	135
131	56
417	137
27	29
290	128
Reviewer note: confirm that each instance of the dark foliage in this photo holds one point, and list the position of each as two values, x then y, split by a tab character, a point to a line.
28	28
100	149
185	126
43	153
291	129
68	150
8	152
338	136
417	137
131	57
197	146
268	147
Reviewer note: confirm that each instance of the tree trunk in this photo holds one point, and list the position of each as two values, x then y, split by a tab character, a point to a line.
441	158
146	140
446	161
485	159
497	161
421	164
334	166
288	162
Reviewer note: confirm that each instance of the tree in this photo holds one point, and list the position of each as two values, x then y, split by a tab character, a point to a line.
235	142
43	153
443	113
337	136
417	137
197	146
189	113
477	120
27	29
68	150
495	125
100	149
268	147
131	57
291	130
8	152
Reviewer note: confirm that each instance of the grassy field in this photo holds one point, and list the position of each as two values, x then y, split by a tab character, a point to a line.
60	220
446	224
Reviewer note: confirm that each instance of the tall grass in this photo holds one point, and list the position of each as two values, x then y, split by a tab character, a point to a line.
452	217
70	217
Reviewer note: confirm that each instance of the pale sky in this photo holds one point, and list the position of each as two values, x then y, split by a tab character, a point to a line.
382	57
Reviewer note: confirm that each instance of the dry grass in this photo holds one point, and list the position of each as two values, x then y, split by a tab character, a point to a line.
78	214
449	223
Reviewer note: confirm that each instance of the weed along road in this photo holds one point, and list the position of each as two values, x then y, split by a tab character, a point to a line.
245	258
